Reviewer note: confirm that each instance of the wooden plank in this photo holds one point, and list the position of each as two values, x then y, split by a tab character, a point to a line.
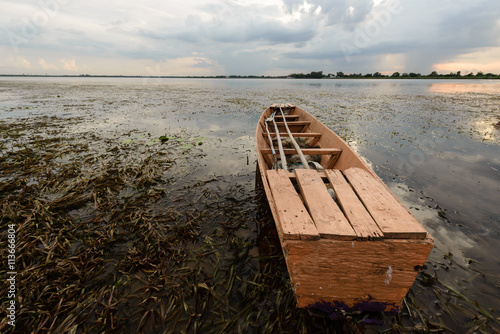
389	214
288	118
295	221
321	151
363	224
321	173
269	159
296	126
315	140
285	106
351	271
333	159
296	134
329	219
294	123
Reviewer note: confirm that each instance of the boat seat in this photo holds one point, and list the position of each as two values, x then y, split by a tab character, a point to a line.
314	135
287	117
320	151
296	134
294	126
333	152
391	216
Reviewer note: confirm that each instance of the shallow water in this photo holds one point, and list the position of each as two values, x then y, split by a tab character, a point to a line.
434	143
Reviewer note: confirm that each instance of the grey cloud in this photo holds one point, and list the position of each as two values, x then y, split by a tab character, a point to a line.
472	27
334	51
424	37
192	36
236	23
243	62
236	31
253	39
360	10
457	32
271	32
290	6
202	63
343	13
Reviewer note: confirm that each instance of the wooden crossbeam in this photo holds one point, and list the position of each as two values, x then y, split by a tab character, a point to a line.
295	124
296	134
320	151
287	117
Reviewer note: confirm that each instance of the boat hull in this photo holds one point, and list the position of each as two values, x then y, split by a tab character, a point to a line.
361	251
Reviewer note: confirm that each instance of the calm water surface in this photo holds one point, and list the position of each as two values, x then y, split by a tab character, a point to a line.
434	142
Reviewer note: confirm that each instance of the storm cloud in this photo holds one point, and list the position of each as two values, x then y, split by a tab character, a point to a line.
256	37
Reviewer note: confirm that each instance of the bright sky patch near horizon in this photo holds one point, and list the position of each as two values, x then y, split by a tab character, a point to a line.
254	37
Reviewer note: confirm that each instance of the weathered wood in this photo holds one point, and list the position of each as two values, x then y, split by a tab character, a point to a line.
295	144
287	117
389	214
282	105
329	219
352	271
365	270
314	141
333	159
298	134
363	224
320	151
280	146
348	158
295	221
320	173
297	126
269	159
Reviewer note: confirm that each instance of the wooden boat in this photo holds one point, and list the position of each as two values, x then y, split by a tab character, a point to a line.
360	251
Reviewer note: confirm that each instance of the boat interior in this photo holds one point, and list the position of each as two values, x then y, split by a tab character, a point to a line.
339	197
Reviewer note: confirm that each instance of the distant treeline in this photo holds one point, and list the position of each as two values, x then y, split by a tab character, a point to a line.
396	75
312	75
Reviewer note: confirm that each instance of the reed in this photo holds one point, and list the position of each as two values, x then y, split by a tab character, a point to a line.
117	237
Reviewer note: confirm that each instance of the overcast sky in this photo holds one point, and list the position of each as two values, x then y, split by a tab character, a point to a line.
254	37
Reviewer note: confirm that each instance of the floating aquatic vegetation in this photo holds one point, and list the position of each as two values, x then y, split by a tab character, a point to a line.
125	223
